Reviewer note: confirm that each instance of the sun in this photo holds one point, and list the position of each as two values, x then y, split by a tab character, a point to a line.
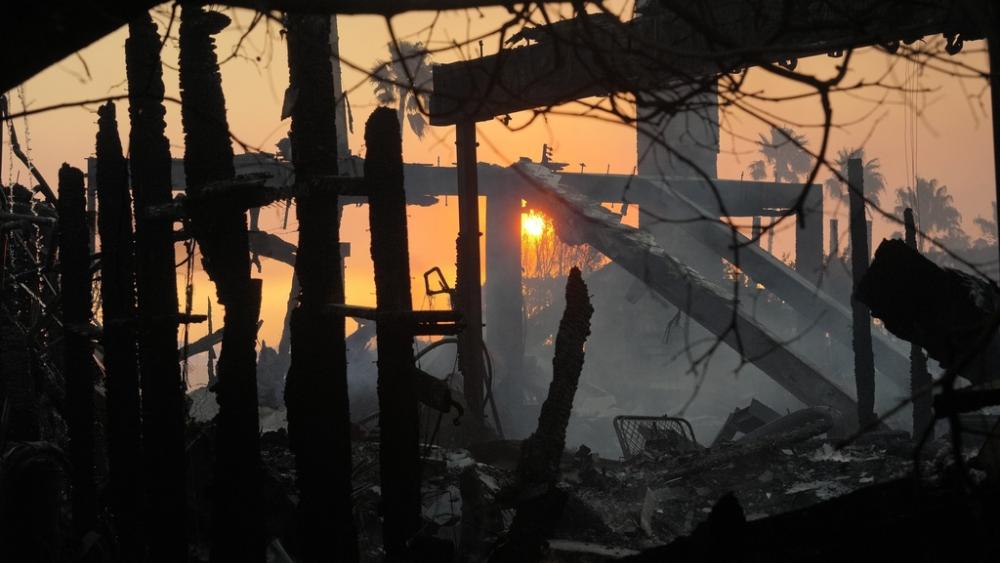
532	225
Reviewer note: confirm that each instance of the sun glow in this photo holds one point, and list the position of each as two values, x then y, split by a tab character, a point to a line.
532	225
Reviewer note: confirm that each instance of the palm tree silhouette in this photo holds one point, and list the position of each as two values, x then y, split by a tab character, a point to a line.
988	227
758	170
784	151
874	182
405	80
933	209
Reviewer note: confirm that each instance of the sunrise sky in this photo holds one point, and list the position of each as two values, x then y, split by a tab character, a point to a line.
953	141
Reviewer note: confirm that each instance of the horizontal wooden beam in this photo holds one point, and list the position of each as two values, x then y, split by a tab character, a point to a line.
681	42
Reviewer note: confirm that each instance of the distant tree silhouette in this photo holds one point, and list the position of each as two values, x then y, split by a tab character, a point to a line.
988	227
933	209
404	80
874	180
784	152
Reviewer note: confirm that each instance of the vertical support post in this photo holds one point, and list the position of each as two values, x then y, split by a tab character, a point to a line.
834	238
120	338
470	341
399	421
864	360
809	236
993	44
74	265
920	379
316	393
161	384
504	299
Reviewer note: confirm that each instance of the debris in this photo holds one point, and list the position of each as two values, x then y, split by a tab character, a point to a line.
745	420
654	436
955	308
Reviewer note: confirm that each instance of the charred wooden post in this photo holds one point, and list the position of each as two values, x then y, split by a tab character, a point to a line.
809	238
539	502
399	421
920	379
78	367
316	388
221	232
468	285
156	290
864	360
121	354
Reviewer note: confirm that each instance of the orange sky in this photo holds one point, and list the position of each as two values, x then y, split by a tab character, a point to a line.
954	139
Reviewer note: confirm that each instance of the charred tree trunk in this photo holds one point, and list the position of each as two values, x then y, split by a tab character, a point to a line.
399	422
539	503
542	451
221	232
864	360
156	289
316	387
121	355
920	379
78	368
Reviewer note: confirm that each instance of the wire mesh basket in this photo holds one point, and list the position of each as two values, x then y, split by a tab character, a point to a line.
654	435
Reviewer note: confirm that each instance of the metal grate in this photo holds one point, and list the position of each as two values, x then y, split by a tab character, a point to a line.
656	435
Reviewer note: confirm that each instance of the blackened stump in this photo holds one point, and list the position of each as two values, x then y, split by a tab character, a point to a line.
78	367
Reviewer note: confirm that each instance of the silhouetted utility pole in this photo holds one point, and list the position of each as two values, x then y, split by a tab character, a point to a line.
121	354
156	289
920	379
220	227
78	367
864	360
316	387
399	422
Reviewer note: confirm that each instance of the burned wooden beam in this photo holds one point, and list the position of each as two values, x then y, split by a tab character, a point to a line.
316	386
920	378
946	312
221	232
582	220
74	284
864	361
163	420
399	421
677	43
120	338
